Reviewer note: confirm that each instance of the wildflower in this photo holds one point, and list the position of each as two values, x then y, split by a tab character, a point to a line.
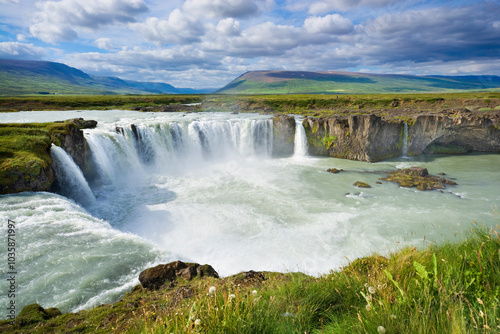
381	329
392	316
212	290
368	307
197	322
232	296
372	290
254	292
481	314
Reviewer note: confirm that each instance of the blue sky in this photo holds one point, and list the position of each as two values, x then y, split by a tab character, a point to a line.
207	43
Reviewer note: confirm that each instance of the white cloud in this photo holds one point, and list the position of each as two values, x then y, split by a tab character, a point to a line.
179	28
58	20
16	50
228	27
330	24
225	8
20	37
344	5
9	1
104	43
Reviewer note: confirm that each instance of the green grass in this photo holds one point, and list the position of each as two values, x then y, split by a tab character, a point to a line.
453	287
24	150
305	104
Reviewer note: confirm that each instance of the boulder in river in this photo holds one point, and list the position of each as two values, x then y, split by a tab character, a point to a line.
417	177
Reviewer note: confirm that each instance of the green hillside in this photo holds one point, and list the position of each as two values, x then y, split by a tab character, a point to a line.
293	82
21	77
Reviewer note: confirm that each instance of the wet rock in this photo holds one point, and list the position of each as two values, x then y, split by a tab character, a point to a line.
334	170
417	177
154	278
360	184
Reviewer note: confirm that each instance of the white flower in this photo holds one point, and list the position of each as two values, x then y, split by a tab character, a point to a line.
212	290
392	316
197	322
381	329
368	307
254	292
232	296
372	290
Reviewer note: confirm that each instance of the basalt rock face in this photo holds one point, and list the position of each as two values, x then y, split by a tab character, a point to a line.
283	135
453	134
73	141
372	138
359	137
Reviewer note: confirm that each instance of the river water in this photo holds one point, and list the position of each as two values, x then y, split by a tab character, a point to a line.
204	187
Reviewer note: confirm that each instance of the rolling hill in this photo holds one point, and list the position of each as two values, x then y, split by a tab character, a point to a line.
23	77
296	82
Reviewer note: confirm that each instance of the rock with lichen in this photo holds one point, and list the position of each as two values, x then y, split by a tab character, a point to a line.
417	177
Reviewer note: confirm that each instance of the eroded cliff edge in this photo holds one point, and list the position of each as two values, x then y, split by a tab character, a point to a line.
25	162
374	138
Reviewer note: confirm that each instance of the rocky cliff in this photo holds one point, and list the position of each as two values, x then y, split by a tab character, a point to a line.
453	134
360	137
373	138
25	163
283	135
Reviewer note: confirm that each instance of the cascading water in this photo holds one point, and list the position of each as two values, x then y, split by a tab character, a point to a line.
71	181
300	142
177	146
405	140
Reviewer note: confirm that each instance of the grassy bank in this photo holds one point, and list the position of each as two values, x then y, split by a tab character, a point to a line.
300	104
453	287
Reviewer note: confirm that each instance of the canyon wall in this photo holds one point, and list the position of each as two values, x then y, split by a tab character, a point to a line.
373	138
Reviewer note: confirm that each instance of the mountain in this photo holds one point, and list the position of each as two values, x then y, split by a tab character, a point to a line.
24	77
330	82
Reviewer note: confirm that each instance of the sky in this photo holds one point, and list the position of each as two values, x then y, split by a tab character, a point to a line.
208	43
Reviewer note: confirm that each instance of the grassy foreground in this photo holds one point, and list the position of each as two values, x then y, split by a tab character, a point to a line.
446	288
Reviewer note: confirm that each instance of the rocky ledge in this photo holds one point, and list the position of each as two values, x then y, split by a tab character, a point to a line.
25	163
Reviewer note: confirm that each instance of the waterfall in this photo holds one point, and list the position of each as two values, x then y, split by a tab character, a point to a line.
175	146
405	140
300	141
70	178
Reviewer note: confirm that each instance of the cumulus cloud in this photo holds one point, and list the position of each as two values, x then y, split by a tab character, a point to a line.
104	43
431	34
16	50
178	28
58	20
225	8
330	24
325	6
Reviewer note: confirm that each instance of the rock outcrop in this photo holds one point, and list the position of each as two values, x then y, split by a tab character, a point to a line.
156	277
29	168
373	138
359	137
283	135
453	134
417	177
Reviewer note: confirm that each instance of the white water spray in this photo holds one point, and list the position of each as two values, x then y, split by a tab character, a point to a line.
70	177
300	142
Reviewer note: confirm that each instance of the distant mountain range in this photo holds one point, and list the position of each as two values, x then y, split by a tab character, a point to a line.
23	77
296	82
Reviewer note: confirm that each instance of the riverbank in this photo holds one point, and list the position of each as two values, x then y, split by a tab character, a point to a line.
453	287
